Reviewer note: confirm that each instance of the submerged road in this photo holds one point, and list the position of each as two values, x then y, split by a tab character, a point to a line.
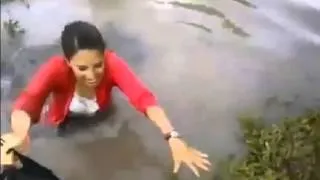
208	62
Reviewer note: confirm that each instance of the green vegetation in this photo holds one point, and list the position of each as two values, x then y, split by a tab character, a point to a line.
6	1
12	26
289	150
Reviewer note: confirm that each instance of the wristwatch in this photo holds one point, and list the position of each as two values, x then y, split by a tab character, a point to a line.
172	134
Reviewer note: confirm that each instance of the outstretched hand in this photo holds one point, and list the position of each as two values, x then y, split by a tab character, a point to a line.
193	158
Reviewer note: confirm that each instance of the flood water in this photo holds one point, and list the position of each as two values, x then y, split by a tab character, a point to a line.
207	61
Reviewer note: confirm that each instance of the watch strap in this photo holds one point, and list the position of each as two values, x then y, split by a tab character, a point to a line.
172	134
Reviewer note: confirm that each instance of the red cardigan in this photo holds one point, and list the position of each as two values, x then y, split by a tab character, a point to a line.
56	78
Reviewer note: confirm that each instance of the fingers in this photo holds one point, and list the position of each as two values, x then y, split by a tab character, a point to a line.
202	160
199	160
202	164
2	141
193	168
194	164
10	150
206	162
201	154
202	157
194	159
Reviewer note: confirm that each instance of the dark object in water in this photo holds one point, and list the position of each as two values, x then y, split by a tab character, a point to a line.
30	170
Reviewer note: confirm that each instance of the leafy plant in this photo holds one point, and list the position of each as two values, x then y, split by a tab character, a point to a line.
289	150
12	26
26	2
6	1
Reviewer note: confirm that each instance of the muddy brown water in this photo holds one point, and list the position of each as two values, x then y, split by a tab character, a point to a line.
208	62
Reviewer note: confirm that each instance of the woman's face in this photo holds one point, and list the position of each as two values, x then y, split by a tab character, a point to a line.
88	67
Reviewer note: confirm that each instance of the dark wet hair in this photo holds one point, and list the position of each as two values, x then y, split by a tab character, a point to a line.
79	35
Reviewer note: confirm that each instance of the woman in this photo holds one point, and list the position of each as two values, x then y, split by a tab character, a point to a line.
80	83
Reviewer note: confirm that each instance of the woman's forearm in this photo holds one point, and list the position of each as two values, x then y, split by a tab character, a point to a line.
157	115
20	123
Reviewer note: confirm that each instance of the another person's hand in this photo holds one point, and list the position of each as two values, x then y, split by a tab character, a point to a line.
193	158
9	141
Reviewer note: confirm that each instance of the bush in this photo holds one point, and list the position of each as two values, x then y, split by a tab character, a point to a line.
287	151
12	26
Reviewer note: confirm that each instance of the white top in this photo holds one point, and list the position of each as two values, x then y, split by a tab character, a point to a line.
82	105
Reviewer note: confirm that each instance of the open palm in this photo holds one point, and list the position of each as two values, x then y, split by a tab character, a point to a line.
193	158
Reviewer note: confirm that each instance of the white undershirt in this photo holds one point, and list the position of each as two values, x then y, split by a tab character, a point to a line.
82	105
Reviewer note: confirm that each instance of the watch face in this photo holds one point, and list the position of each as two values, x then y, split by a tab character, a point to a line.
174	134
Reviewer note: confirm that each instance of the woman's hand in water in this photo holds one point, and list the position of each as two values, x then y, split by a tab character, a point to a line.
193	158
181	152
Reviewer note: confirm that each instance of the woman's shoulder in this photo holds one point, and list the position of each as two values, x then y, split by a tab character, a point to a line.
56	61
110	55
54	67
112	59
54	64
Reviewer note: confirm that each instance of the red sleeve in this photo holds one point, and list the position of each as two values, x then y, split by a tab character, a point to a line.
33	97
138	94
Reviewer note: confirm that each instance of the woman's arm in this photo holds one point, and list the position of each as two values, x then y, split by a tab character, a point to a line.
139	96
145	102
27	107
157	115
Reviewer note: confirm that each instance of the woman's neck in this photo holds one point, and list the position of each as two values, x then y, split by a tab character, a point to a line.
85	91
